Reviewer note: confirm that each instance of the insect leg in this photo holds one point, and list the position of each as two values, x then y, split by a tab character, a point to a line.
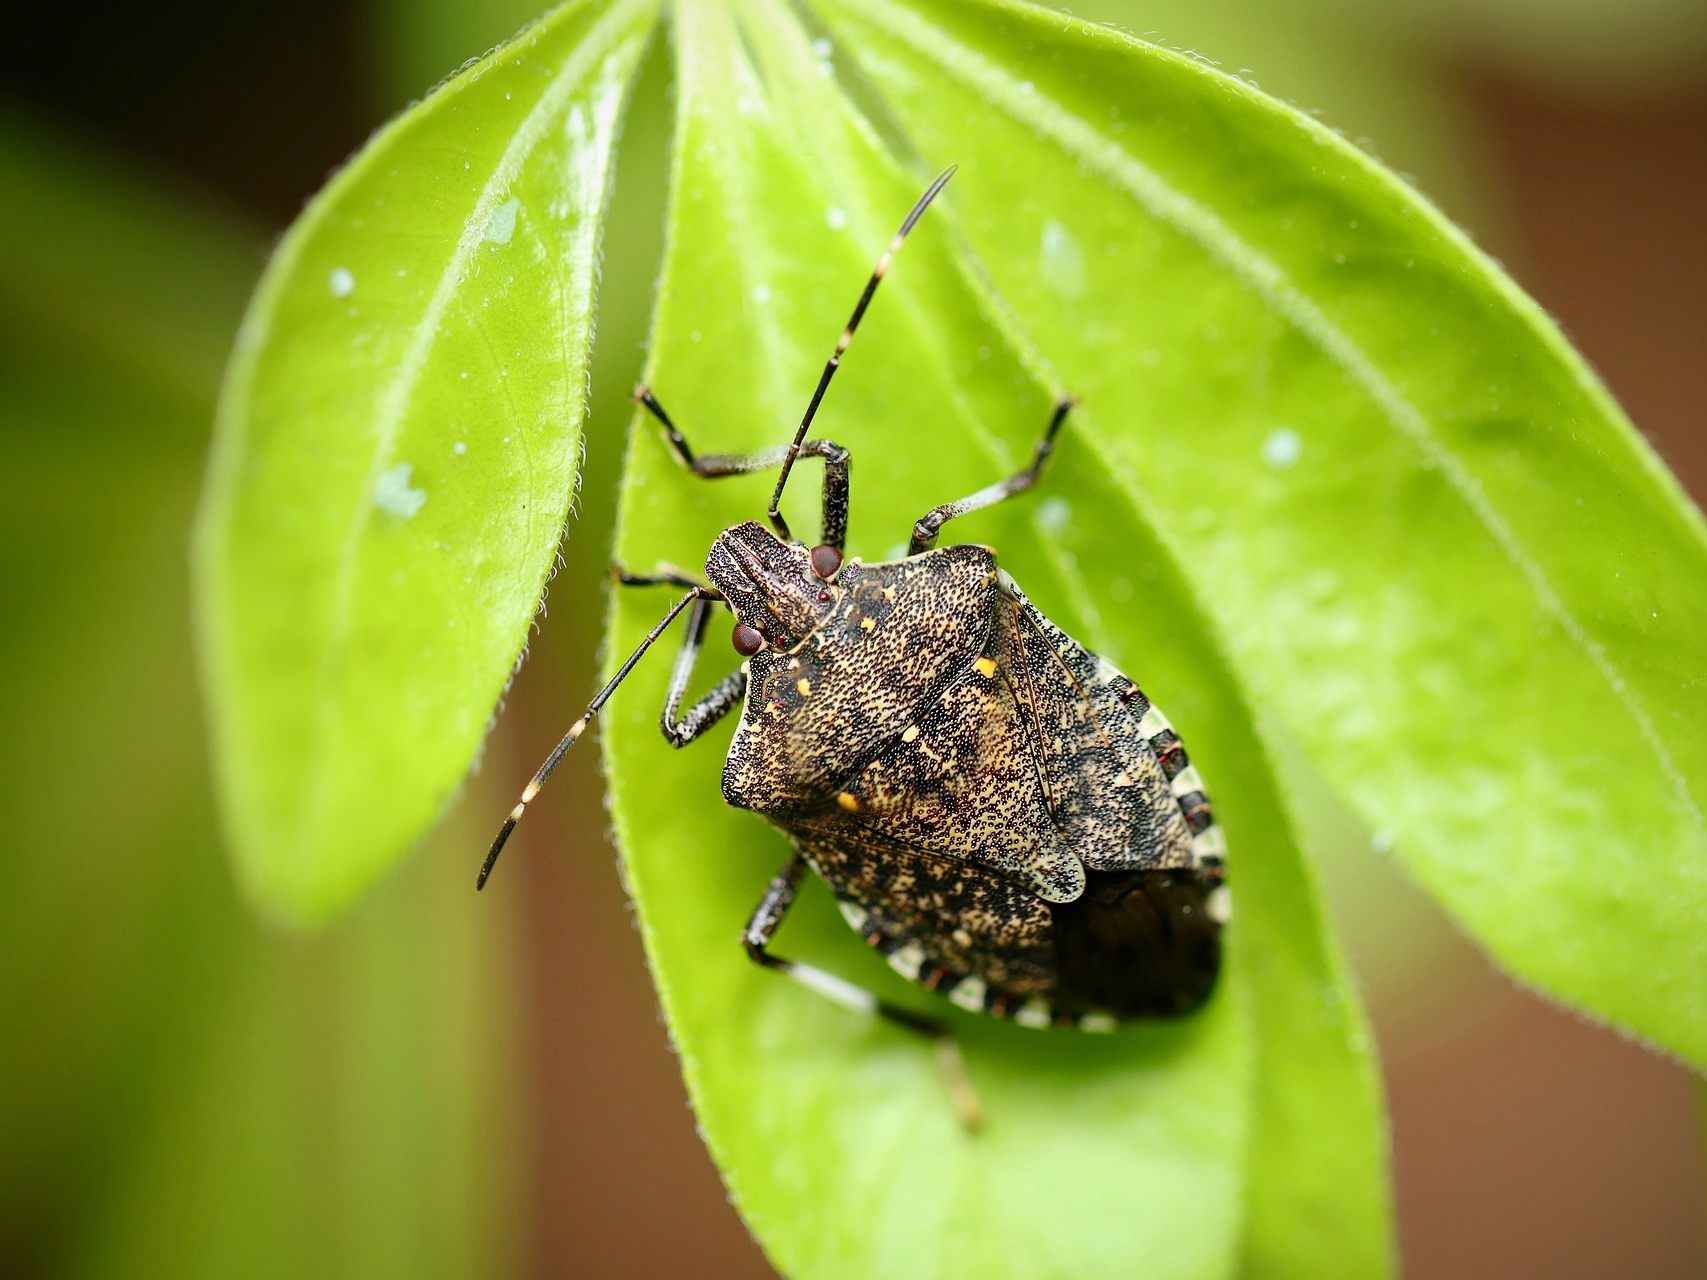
795	447
762	927
683	729
697	595
665	575
715	466
926	528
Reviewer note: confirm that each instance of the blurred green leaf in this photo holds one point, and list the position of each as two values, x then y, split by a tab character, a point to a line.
833	1132
337	1107
115	303
117	270
1437	548
398	445
181	1094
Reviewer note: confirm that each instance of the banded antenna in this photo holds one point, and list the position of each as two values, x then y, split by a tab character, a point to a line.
696	595
835	361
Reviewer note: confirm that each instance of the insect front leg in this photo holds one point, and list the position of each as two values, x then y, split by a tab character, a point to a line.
683	729
665	575
715	466
762	927
928	525
679	730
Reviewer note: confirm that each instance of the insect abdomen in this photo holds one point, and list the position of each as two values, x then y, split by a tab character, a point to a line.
1138	943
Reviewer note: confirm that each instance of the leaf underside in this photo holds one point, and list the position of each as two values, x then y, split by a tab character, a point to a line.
327	1106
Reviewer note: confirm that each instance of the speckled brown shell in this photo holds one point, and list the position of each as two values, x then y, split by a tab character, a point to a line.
998	810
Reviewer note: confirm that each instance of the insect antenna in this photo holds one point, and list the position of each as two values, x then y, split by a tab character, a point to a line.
835	361
580	727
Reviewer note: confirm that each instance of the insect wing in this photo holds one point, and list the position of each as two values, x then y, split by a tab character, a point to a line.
1118	803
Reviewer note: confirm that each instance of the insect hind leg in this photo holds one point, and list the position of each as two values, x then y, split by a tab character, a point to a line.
926	528
756	937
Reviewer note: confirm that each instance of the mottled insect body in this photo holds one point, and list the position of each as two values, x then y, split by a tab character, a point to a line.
999	812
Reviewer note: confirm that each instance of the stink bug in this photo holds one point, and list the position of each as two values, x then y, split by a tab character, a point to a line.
999	812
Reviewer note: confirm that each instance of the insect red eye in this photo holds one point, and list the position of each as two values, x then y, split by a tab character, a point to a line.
747	640
825	560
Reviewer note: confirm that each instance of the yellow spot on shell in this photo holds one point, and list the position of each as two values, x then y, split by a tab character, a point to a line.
804	686
911	733
867	624
888	594
848	801
985	667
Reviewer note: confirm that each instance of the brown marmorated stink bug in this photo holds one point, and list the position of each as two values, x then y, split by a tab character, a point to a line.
998	811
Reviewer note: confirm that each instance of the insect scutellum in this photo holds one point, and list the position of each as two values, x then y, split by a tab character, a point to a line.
1001	813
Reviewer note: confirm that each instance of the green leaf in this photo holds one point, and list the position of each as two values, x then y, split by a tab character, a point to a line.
1370	83
398	445
1436	547
339	1107
834	1133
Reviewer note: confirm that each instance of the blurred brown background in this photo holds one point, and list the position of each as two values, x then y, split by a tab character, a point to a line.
1572	139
